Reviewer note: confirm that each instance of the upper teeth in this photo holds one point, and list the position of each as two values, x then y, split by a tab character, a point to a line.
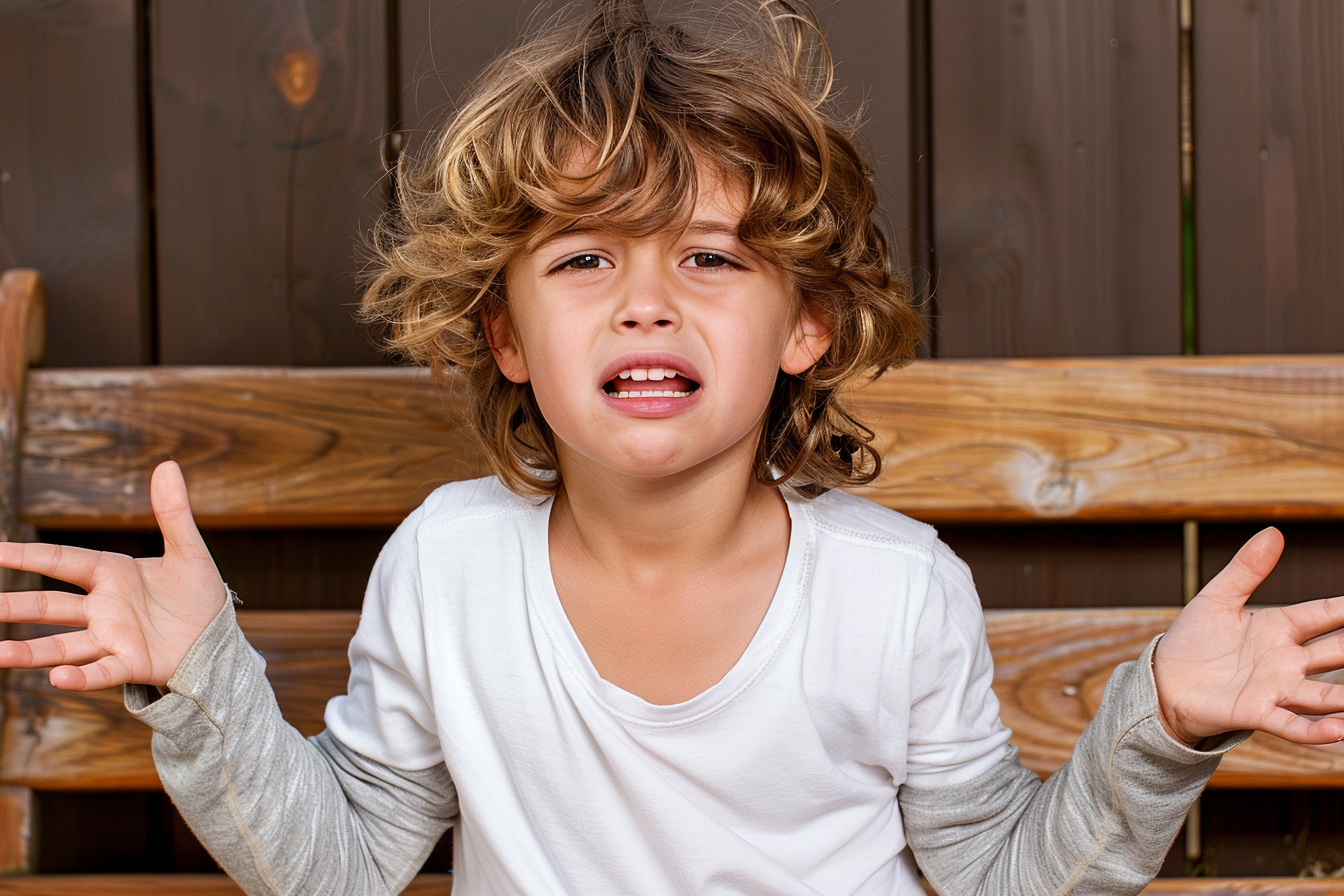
639	374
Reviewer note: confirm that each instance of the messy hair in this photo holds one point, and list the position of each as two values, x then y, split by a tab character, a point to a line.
647	107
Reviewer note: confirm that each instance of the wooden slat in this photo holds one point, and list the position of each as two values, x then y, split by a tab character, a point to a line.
1213	886
57	740
1056	200
274	447
1250	886
1050	667
1129	439
16	830
167	885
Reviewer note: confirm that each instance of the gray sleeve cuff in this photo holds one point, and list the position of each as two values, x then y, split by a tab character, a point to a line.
192	678
1147	733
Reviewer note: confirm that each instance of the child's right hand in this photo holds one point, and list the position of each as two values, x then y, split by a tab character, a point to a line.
139	618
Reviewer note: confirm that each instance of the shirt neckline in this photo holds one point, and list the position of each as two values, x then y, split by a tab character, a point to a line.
765	643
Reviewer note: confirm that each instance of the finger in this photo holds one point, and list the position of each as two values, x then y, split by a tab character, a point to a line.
51	607
1235	584
1324	655
1313	618
73	565
107	672
172	510
1316	698
1291	726
54	650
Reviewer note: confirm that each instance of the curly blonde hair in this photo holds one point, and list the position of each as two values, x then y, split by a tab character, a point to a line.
648	104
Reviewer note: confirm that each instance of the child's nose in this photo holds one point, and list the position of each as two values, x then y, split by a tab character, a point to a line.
647	304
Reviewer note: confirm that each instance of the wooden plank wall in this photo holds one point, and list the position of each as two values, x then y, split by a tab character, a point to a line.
72	177
194	183
1269	221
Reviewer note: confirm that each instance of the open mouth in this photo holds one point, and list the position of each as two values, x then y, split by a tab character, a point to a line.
650	382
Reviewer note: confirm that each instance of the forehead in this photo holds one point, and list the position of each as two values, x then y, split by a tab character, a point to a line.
705	199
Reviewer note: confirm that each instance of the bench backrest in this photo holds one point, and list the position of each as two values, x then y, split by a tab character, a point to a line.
1126	439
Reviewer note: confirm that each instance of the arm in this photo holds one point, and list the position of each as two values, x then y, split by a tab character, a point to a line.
1103	823
281	814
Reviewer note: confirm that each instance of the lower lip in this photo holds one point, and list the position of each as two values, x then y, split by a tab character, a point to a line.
652	407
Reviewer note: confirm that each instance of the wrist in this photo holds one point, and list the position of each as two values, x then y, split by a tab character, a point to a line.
1164	715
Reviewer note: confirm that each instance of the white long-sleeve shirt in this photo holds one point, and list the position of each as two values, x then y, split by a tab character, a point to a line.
866	689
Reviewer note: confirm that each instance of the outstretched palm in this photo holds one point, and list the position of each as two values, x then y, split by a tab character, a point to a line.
139	617
1224	668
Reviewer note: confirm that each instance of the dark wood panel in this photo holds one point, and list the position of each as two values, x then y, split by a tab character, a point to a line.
268	124
445	43
1312	565
871	43
1064	565
1274	832
1269	188
1056	180
71	187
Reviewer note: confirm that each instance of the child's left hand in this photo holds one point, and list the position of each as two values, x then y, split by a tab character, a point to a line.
1221	667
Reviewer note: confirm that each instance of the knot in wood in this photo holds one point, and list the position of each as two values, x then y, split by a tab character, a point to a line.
1057	495
298	76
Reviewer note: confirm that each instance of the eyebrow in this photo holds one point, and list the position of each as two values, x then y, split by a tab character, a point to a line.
698	226
712	227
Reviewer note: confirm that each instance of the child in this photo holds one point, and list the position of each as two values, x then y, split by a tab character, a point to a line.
657	653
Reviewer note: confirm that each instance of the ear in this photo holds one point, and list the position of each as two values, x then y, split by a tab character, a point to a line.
810	338
503	342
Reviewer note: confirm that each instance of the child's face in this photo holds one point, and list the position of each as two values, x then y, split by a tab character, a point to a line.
593	315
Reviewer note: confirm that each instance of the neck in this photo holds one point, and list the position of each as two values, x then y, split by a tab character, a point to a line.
648	527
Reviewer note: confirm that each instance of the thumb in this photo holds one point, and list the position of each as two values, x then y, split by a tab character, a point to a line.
168	497
1251	566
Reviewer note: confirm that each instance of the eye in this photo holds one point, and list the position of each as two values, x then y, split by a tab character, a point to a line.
584	261
709	260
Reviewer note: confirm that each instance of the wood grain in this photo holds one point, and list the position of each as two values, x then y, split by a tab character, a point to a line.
270	447
168	885
261	203
1135	439
1051	666
16	830
21	336
973	441
1055	161
72	196
59	740
1269	191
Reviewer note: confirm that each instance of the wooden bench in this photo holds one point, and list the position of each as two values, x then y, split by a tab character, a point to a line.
988	441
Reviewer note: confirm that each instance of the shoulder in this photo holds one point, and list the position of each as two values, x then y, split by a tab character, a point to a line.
867	536
468	502
851	520
460	524
472	505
